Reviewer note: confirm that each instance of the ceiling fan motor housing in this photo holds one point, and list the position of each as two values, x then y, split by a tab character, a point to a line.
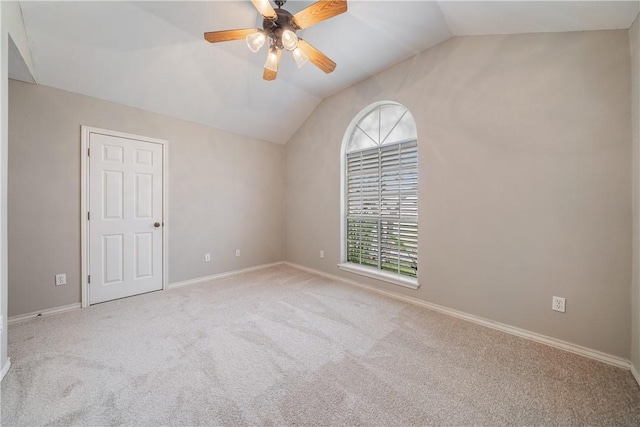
274	28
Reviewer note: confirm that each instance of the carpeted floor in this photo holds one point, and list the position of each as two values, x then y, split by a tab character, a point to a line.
281	346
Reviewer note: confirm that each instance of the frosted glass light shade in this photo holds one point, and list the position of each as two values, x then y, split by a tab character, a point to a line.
272	60
300	57
255	41
289	40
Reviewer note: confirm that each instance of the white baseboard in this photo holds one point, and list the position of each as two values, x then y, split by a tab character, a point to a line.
5	368
635	374
44	313
75	306
533	336
221	275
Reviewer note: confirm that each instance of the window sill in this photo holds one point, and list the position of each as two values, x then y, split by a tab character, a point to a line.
396	279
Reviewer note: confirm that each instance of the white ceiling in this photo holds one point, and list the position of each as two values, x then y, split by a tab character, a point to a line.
152	55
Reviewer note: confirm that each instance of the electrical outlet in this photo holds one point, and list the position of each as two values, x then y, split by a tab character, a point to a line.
557	304
237	252
321	254
61	279
207	257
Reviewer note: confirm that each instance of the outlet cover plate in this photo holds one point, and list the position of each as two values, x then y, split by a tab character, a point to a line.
61	279
558	304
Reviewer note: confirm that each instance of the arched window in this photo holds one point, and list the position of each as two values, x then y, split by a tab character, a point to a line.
380	189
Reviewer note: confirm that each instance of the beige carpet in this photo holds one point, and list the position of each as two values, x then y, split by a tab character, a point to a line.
285	347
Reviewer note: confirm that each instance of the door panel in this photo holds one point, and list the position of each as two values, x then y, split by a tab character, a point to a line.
143	196
125	200
143	253
113	252
113	195
144	157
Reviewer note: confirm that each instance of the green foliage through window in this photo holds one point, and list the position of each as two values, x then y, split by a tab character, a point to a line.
382	208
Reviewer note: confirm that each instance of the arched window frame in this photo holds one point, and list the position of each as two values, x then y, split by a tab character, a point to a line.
391	277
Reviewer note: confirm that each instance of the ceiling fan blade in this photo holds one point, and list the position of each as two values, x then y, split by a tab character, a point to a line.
316	57
228	35
270	74
318	12
265	9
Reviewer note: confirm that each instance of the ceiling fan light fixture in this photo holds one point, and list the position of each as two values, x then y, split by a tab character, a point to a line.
289	40
279	27
300	57
255	41
272	59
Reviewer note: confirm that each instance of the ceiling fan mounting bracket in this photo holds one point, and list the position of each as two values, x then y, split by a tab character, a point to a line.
280	3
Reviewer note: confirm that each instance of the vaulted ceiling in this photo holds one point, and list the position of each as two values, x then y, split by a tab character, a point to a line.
152	55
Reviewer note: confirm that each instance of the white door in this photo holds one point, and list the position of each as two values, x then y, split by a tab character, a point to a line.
125	217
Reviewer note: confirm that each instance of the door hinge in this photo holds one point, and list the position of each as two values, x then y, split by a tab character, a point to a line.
88	216
88	152
89	279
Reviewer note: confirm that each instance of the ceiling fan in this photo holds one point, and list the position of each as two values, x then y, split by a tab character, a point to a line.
279	27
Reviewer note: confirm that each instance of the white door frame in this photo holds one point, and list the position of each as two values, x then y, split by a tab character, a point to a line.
84	203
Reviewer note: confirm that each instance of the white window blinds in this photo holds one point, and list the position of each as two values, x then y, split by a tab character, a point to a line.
382	207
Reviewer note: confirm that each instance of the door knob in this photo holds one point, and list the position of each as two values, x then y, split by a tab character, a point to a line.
156	224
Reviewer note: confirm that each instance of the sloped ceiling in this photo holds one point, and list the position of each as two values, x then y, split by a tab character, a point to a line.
152	55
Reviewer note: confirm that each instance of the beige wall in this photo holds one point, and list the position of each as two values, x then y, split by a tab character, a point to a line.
225	192
525	182
634	38
524	145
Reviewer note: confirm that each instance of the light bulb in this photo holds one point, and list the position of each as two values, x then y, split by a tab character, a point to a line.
300	57
289	40
255	41
272	60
